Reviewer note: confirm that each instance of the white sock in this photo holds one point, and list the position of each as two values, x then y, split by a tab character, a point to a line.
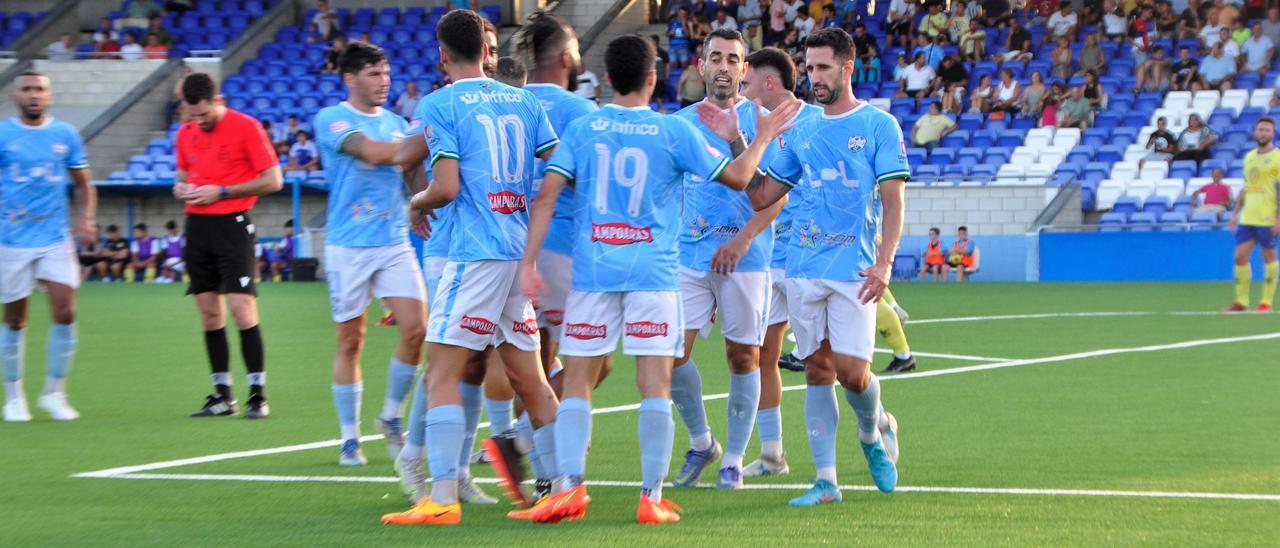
771	449
350	431
828	473
52	385
903	356
702	442
257	379
390	409
13	391
731	460
869	437
411	451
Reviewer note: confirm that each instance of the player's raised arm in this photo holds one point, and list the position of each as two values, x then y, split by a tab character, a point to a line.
743	168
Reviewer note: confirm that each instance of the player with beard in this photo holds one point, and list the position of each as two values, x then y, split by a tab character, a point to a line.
724	270
848	169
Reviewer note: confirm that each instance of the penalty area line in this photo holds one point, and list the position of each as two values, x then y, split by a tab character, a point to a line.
757	486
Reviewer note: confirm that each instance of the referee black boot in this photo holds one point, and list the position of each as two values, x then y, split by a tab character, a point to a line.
216	405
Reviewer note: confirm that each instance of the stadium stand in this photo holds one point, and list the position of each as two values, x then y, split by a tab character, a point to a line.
14	24
210	26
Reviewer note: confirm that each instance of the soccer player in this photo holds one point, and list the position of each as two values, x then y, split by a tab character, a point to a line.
769	79
483	136
725	249
848	169
367	244
225	161
628	166
38	154
1255	221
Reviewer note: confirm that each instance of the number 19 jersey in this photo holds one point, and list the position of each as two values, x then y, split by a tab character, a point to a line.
494	131
628	167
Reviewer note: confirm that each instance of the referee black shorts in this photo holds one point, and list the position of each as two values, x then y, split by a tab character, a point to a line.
219	254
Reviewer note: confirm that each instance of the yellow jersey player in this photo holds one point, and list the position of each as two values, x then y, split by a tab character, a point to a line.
1254	220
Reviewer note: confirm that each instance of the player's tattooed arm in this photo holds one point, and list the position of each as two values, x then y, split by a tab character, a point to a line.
88	203
443	188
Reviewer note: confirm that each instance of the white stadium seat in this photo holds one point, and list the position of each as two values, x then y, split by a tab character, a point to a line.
1124	171
1154	171
1108	192
1177	99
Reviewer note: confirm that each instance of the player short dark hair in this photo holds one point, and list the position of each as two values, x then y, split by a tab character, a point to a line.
461	34
197	87
628	60
542	34
1265	120
113	228
776	60
724	34
35	73
962	229
935	230
837	39
358	55
140	226
288	224
171	224
511	70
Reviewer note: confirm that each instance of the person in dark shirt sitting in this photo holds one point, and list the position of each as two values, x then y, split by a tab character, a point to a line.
116	251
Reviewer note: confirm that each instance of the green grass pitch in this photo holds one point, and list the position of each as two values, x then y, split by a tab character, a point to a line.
1146	417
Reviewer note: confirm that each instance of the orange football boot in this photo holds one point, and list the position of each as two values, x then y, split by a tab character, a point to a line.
657	512
426	512
569	505
1263	308
1236	307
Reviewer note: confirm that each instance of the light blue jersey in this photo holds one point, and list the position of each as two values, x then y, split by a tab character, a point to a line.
494	131
714	214
441	227
628	167
562	107
33	181
782	224
834	164
367	204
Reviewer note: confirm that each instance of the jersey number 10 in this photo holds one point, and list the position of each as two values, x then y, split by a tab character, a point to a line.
634	180
508	129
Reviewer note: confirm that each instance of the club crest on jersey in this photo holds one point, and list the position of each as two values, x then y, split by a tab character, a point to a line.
507	202
479	326
857	143
60	149
620	234
646	330
585	331
339	126
528	327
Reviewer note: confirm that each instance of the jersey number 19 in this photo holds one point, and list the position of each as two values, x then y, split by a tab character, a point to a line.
639	164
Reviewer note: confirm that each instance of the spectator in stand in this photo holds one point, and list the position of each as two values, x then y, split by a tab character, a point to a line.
1258	51
793	46
326	21
1271	26
1094	93
1092	57
868	72
1217	195
723	21
1255	9
1062	62
1189	25
1052	101
303	155
973	43
1038	12
997	13
952	78
108	49
982	98
1240	33
777	29
116	251
932	127
155	49
1076	111
934	23
845	11
1184	73
863	42
902	65
157	28
132	50
793	9
1166	20
138	14
902	15
917	80
1230	48
749	16
64	49
407	102
333	53
1195	141
1064	22
804	25
1033	96
364	38
105	32
144	251
1217	70
1161	145
1008	94
691	87
958	21
1017	47
276	133
292	128
1114	24
829	19
1211	32
662	67
588	86
933	51
678	37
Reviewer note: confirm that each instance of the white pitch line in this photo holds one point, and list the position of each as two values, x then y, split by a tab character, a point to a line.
754	486
1028	317
960	357
119	471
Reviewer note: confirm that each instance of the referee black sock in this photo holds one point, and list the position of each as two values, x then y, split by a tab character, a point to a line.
215	345
254	358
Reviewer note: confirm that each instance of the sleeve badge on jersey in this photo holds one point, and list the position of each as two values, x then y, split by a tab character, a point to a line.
339	126
857	143
713	152
60	149
902	144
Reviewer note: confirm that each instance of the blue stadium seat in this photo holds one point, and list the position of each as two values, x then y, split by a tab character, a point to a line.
1109	154
916	156
942	156
927	172
1141	221
1182	169
969	156
1095	137
1172	221
982	139
984	171
997	155
1011	138
957	139
955	170
1156	205
1081	154
1126	204
1204	221
1111	222
970	122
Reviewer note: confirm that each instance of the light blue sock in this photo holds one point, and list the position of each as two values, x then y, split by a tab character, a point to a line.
545	440
13	344
867	407
822	416
346	399
657	436
471	400
744	398
524	430
686	393
572	437
61	349
499	415
399	380
417	437
769	422
446	426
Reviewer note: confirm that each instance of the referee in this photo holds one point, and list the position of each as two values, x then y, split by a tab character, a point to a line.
225	161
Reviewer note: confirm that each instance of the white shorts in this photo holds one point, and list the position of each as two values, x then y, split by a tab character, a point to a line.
357	273
432	270
557	272
20	267
777	296
830	310
740	298
479	304
651	321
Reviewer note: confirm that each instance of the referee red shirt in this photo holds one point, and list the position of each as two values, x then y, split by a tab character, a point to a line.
236	151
